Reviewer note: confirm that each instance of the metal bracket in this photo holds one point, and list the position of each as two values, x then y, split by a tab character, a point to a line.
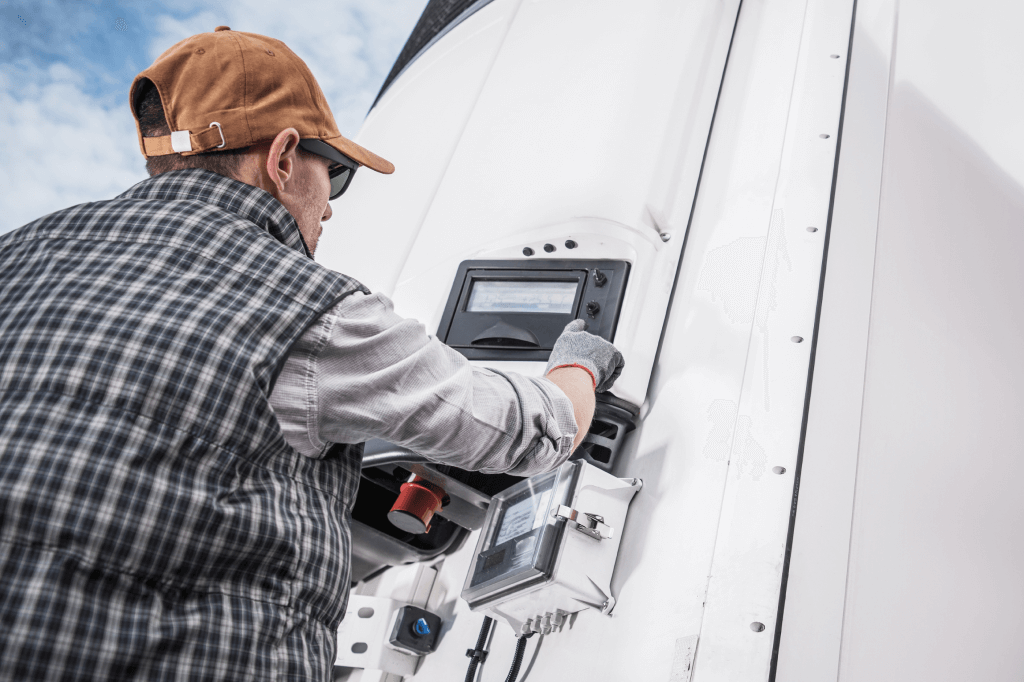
592	524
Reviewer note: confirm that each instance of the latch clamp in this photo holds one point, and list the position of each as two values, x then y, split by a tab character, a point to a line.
586	523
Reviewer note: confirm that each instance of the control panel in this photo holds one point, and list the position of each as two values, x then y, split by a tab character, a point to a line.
516	309
548	547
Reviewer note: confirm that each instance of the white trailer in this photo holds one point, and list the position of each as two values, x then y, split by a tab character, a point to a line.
821	205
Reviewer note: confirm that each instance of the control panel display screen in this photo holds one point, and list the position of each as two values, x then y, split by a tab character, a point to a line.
522	537
523	516
523	296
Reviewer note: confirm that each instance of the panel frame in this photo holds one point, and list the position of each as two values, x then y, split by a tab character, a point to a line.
810	635
746	582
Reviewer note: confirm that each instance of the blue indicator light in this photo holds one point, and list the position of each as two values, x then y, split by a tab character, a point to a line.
421	627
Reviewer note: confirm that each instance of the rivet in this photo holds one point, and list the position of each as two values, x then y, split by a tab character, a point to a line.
779	470
665	236
797	339
527	251
812	229
834	56
549	248
757	627
824	136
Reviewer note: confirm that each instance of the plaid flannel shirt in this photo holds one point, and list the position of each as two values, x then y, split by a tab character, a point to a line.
154	522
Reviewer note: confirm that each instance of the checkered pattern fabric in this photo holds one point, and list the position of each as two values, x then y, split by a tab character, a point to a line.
154	523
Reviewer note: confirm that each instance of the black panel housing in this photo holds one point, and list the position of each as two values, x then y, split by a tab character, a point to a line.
600	288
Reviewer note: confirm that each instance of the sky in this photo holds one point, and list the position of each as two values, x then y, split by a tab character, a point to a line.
67	135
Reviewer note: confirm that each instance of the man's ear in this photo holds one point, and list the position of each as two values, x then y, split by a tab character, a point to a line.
281	158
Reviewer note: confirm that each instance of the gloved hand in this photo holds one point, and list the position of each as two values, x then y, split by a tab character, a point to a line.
577	348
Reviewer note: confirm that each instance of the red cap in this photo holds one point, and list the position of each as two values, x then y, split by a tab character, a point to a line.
416	505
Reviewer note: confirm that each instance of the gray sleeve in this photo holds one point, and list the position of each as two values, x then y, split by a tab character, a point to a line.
378	375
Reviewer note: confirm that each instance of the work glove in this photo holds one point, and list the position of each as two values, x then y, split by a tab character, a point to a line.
577	348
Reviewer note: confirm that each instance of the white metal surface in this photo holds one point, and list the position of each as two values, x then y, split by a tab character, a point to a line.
906	553
590	124
725	403
906	556
816	588
416	125
936	532
737	633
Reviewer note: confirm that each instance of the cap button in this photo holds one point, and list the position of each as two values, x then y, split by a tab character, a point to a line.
222	28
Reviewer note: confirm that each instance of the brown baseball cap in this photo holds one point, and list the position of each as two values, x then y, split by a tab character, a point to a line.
229	90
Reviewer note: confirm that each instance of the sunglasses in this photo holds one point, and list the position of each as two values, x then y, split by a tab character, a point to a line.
341	170
341	176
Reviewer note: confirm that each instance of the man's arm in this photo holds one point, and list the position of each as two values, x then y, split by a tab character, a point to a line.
364	372
378	375
579	388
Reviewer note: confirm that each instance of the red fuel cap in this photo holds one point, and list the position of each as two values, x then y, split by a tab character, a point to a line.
417	503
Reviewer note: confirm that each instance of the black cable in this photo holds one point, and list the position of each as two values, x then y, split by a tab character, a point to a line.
478	655
533	657
517	658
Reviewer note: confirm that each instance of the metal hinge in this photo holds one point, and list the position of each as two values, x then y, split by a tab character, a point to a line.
586	523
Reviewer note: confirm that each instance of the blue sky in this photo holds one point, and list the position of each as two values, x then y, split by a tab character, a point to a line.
66	67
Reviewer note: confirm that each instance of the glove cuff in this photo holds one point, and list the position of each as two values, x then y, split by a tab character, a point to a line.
577	366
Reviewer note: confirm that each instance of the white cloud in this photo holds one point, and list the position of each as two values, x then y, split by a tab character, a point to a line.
62	146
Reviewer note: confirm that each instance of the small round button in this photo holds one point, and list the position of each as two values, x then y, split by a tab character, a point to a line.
527	251
222	28
421	627
570	244
549	247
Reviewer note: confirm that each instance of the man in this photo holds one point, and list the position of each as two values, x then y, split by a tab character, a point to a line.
174	369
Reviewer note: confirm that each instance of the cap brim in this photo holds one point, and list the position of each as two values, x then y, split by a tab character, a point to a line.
360	155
